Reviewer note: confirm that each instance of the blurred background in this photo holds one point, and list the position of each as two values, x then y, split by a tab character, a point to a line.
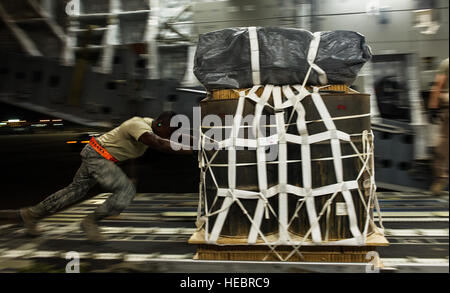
73	69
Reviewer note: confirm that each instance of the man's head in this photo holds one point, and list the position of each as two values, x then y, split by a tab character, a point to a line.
161	125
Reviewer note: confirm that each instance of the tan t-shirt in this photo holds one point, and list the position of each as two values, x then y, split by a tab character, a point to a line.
122	142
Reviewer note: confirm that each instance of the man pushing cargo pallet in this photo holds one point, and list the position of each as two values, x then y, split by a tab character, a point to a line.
313	200
127	141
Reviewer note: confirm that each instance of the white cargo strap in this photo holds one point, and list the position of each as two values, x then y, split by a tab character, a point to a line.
262	205
231	171
306	159
268	142
259	107
300	191
254	55
336	151
282	168
312	53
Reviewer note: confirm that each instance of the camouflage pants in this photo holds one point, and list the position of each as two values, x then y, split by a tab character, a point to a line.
94	169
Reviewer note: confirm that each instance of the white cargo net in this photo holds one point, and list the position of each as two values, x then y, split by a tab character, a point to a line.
306	194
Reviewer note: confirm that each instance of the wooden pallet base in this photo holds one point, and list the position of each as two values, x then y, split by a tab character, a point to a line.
237	250
227	94
308	253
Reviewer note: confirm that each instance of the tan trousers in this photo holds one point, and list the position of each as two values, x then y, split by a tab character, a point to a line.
440	165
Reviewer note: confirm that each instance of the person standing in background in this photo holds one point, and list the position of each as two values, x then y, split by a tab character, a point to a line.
439	101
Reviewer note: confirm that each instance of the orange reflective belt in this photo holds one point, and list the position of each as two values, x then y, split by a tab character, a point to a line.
102	151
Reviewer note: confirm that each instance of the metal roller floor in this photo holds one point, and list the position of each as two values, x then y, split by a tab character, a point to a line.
151	236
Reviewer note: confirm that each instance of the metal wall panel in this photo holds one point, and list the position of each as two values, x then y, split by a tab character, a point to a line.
210	16
397	35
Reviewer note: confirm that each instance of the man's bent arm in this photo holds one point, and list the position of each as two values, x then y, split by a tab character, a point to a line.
161	144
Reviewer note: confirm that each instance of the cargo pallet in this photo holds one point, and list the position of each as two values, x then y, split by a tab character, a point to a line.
237	249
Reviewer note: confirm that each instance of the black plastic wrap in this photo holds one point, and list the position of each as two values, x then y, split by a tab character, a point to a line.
223	61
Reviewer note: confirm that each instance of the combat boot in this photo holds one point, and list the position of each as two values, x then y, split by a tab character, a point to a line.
30	217
91	229
9	217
